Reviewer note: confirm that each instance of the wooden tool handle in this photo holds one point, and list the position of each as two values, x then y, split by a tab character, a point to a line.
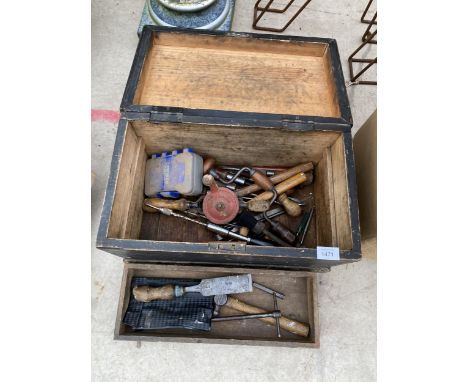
208	164
147	293
262	180
258	205
286	323
277	178
284	186
244	231
209	181
291	208
179	204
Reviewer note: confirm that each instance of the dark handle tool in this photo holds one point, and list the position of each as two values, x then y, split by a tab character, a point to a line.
283	231
246	219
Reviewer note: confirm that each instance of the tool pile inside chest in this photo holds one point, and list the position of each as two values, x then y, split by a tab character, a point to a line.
233	157
241	204
131	228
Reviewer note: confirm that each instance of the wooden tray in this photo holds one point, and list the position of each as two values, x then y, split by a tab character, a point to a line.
300	304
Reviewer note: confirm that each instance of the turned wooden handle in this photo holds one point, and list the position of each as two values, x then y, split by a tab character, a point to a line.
179	204
209	181
244	231
284	186
286	323
291	208
277	178
258	205
147	293
208	164
262	180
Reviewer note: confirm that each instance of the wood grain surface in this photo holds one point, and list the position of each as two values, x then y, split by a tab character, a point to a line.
127	213
208	72
237	145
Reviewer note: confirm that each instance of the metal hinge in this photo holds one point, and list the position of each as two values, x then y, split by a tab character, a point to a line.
227	246
294	124
158	116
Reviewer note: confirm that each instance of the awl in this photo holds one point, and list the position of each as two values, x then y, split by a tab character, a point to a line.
207	287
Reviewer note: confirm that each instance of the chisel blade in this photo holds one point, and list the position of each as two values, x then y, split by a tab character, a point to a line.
223	285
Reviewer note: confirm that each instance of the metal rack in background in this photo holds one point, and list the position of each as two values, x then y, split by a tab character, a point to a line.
363	17
267	9
367	38
368	32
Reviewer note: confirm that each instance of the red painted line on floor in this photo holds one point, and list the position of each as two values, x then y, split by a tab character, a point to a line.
105	115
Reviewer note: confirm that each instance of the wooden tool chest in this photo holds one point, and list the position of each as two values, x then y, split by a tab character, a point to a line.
246	100
228	96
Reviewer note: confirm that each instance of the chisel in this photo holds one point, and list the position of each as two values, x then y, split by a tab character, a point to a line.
207	287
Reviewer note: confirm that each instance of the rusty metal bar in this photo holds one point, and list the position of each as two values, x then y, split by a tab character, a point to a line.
370	62
367	33
276	10
268	8
363	19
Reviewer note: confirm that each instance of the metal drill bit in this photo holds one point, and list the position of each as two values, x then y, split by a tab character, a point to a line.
278	330
275	314
211	227
268	290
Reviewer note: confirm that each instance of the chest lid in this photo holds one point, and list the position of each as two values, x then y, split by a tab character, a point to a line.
233	78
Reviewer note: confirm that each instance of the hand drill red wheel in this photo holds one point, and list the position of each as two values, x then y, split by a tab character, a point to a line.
220	204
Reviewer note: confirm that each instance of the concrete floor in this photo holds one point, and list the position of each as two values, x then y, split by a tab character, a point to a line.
347	294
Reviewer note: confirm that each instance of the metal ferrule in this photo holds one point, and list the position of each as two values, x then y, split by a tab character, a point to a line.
178	291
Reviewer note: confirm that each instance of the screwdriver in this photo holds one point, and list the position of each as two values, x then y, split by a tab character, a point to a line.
173	204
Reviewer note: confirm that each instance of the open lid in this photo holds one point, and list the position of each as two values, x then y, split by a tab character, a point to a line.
232	78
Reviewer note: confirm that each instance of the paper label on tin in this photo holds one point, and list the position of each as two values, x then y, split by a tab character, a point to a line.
328	253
